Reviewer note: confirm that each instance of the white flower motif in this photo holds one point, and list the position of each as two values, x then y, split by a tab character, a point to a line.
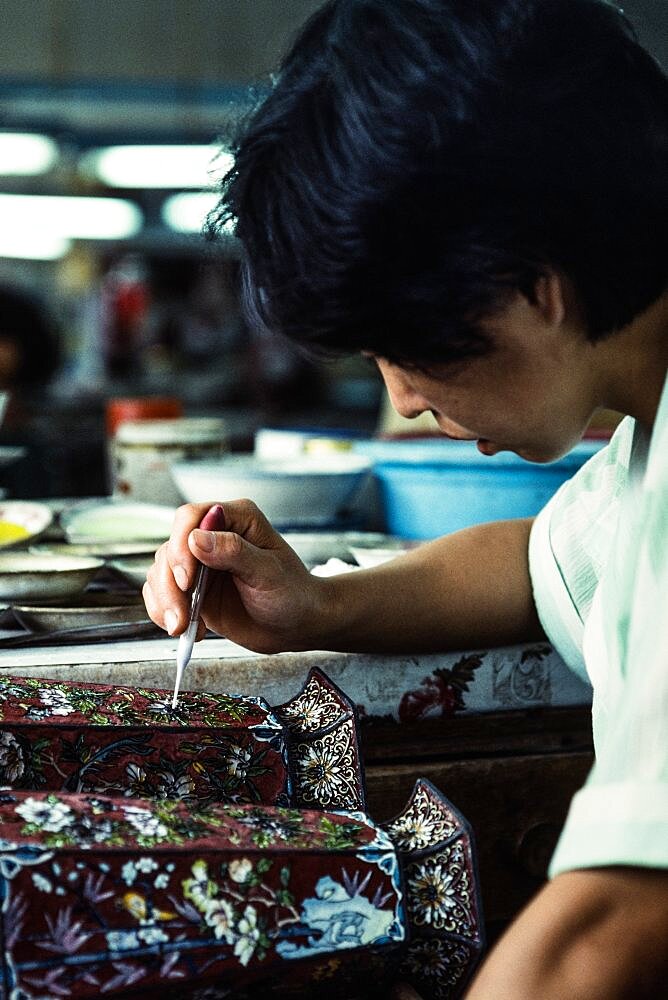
49	814
152	935
238	760
322	769
137	777
122	940
249	935
414	830
240	869
161	881
219	915
311	711
173	786
129	872
146	865
145	822
12	763
57	701
434	892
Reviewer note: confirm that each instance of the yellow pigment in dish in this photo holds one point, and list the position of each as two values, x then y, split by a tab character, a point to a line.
10	532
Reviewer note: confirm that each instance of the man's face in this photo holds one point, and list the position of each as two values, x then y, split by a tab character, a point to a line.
534	393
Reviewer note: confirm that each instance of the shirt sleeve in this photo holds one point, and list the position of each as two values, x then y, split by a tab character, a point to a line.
570	543
556	610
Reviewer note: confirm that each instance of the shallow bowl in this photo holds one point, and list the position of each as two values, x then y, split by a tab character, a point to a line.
96	608
132	569
26	576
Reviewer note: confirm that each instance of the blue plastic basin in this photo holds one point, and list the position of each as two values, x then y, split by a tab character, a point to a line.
432	487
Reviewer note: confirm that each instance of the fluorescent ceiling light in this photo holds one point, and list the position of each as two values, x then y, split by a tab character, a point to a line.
186	213
158	166
26	154
33	245
70	217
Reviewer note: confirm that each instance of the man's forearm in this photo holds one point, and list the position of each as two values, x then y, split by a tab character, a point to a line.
471	588
598	934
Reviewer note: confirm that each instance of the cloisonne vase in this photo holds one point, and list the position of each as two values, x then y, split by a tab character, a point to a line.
218	850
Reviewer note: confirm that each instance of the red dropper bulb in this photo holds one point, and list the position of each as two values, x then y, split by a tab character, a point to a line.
214	519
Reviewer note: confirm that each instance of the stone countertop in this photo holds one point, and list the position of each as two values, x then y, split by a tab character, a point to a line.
406	688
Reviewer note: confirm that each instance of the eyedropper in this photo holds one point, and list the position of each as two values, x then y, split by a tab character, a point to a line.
213	520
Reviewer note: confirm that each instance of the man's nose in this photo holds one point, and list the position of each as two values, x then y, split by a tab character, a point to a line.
404	398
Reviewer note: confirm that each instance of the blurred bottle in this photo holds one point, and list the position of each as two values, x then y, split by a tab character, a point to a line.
125	303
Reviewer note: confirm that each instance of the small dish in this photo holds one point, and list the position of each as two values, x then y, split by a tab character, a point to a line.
25	576
90	609
22	521
104	522
132	569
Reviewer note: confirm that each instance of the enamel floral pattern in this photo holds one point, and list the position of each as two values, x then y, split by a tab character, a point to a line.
157	893
92	738
444	909
223	852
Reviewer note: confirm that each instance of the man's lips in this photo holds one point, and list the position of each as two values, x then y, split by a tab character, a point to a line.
458	437
486	447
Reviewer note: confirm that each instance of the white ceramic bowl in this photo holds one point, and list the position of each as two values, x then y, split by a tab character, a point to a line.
305	491
26	576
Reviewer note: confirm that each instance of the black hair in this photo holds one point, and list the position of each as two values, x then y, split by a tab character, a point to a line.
417	162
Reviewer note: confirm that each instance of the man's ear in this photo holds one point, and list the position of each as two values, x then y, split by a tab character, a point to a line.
550	297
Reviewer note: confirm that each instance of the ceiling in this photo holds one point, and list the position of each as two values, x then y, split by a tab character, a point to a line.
163	68
157	67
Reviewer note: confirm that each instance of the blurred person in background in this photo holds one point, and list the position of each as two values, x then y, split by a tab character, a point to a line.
29	341
30	355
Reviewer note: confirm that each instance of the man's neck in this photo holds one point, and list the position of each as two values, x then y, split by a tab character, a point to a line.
636	360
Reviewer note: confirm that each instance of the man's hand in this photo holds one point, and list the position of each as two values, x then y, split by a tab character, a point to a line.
259	592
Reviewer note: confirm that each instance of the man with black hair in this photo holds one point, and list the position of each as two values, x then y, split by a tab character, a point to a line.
475	195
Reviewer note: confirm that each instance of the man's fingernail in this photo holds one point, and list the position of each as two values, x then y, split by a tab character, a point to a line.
203	540
181	577
171	621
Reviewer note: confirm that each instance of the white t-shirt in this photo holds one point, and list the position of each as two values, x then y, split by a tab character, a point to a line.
598	558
